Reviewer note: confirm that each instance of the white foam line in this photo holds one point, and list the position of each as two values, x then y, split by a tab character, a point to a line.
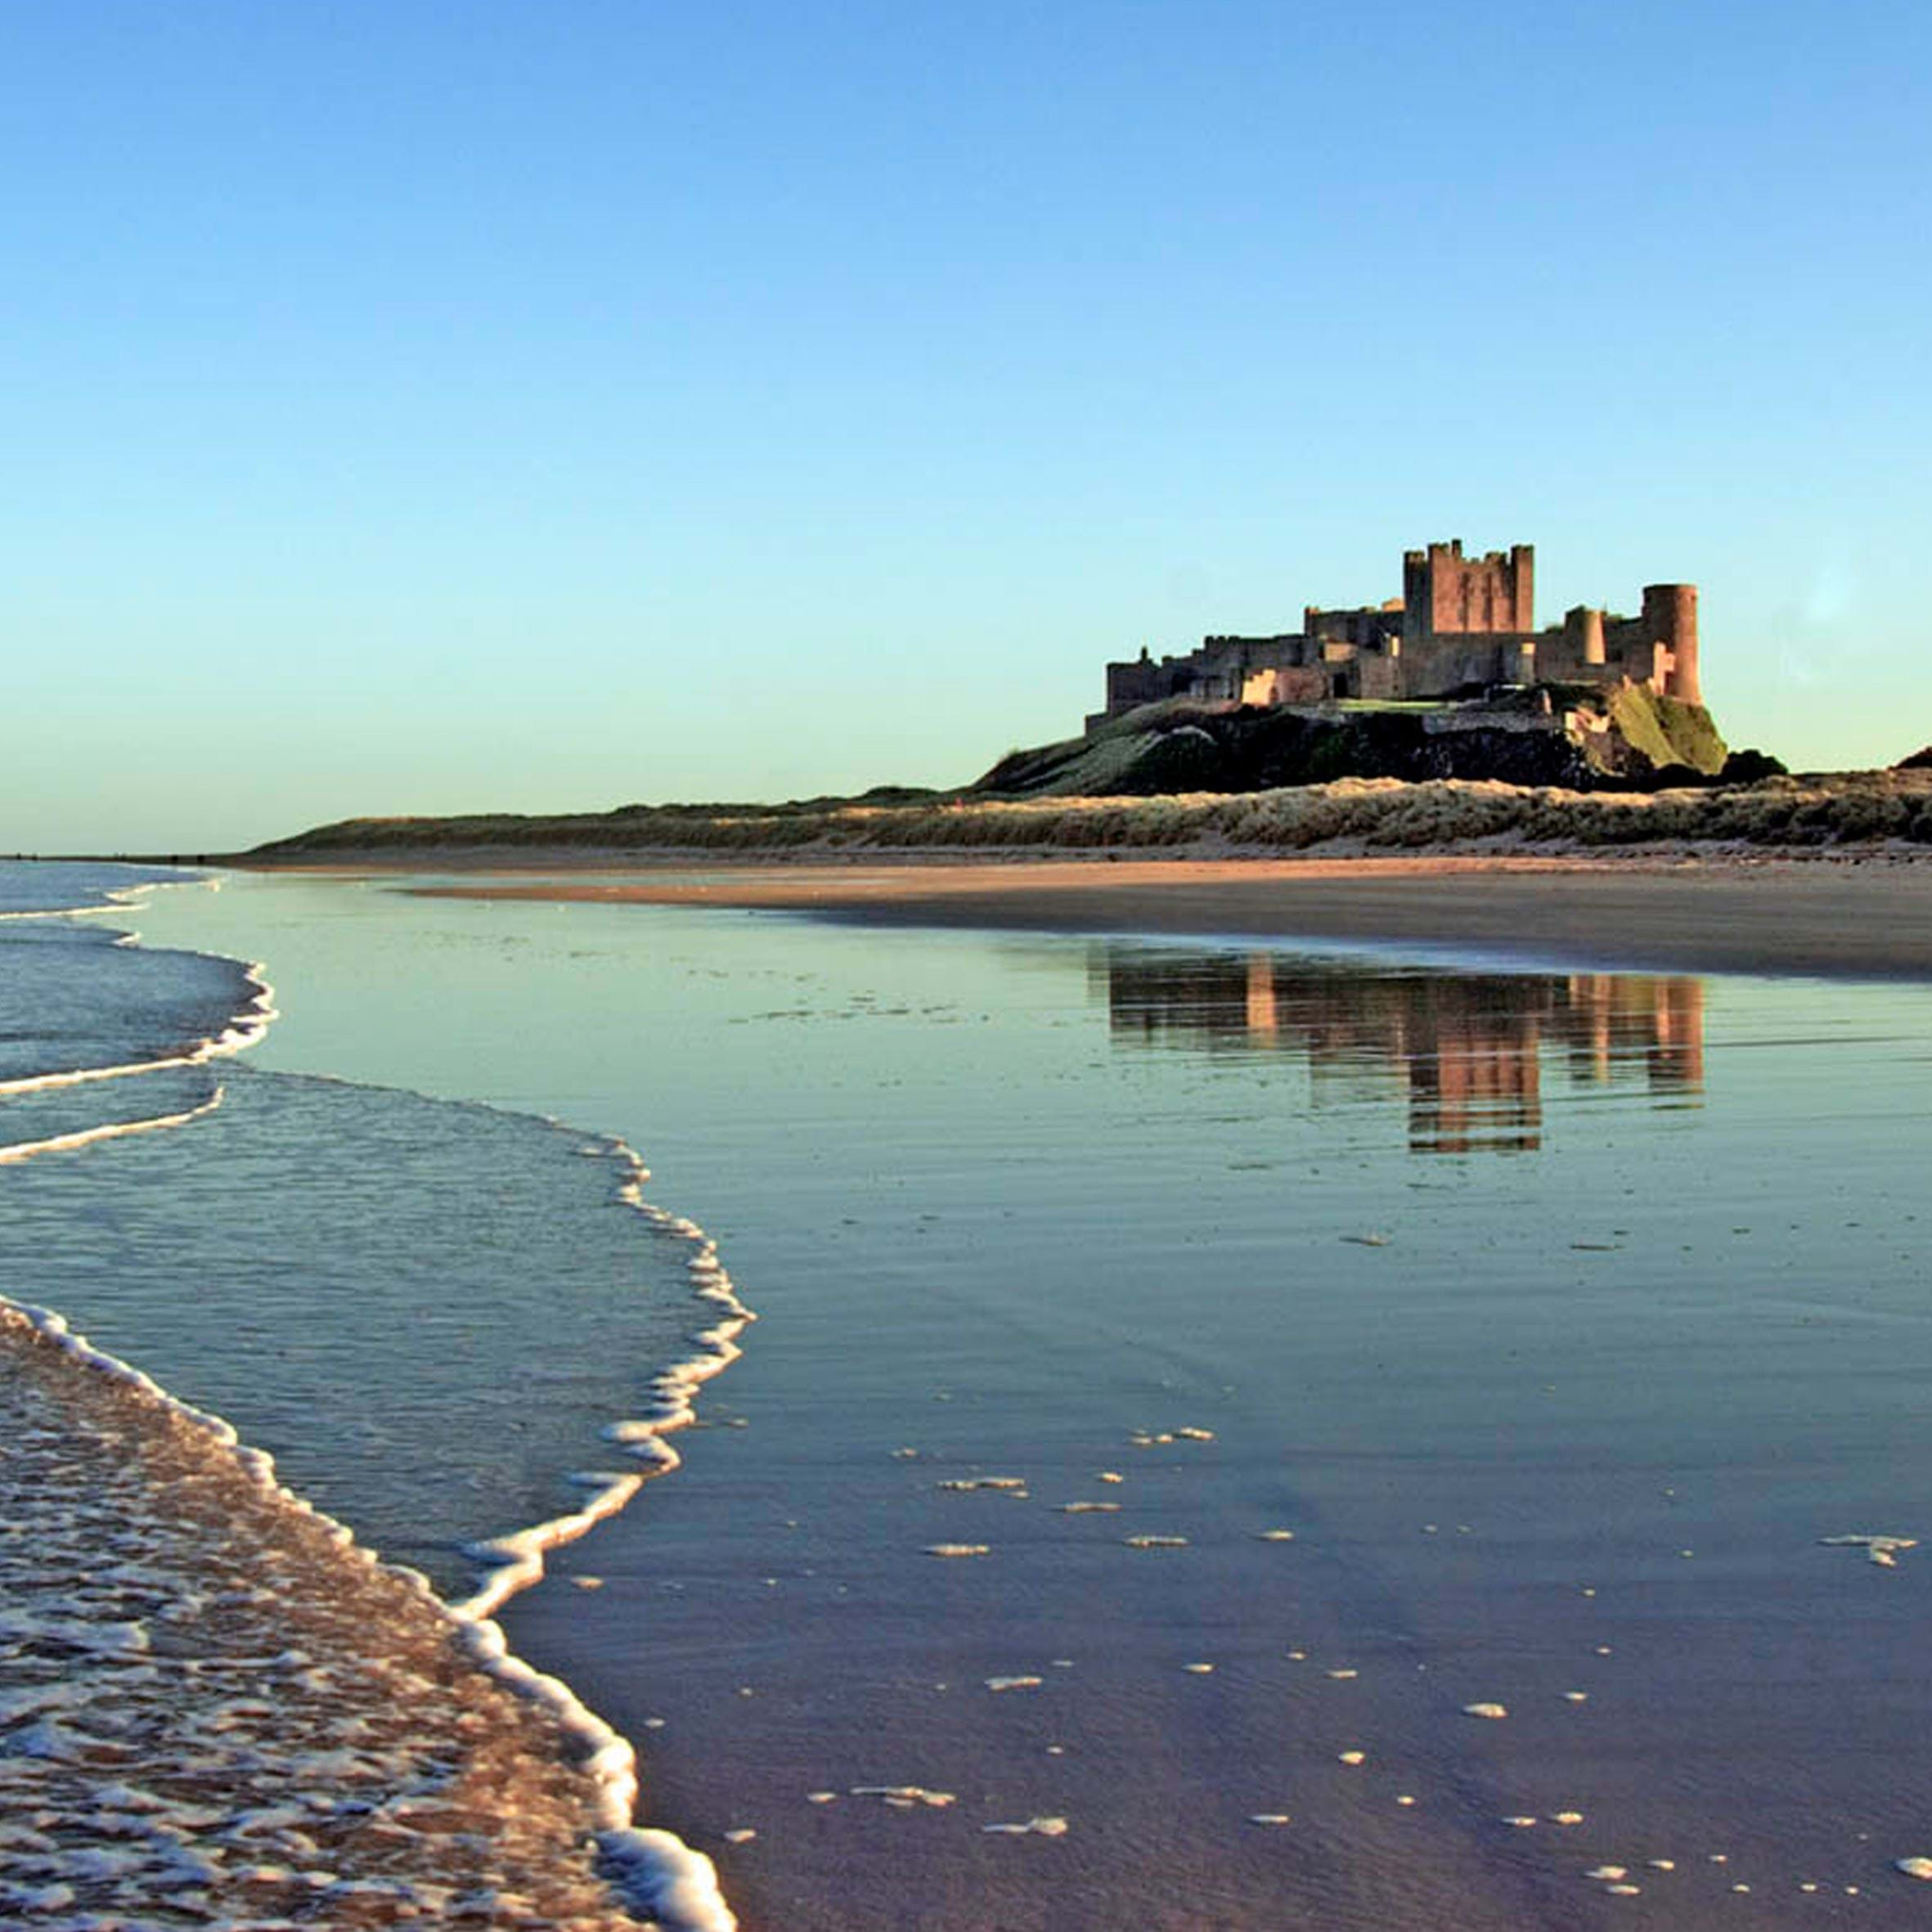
241	1032
112	899
677	1885
655	1870
64	912
61	1143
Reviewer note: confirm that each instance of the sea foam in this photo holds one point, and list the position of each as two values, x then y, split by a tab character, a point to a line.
652	1869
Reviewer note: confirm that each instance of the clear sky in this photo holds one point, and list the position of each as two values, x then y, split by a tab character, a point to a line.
435	405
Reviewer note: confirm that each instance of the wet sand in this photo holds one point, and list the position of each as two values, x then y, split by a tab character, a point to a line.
1831	918
216	1709
1056	1212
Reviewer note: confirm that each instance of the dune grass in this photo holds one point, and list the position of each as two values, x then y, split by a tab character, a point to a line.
1385	814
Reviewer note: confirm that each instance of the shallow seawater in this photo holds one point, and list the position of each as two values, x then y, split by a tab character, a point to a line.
425	1311
1558	1317
441	1318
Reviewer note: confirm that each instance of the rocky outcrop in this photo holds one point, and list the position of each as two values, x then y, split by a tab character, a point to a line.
1631	739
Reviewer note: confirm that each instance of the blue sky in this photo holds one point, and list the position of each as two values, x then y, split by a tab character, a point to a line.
421	406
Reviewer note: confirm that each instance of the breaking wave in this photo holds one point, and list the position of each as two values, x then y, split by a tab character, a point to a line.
156	1258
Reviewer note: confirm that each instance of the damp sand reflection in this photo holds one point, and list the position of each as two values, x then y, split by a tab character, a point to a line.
1475	1053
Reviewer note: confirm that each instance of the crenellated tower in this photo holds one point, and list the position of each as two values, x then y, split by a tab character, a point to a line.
1445	594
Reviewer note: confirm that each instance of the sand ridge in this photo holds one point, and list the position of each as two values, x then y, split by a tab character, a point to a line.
1824	917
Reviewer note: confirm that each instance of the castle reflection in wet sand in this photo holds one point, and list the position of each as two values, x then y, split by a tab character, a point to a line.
1470	1047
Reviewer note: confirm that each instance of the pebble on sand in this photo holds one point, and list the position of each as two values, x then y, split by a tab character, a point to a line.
957	1549
1034	1827
1274	1535
1084	1509
1566	1818
1915	1868
1191	1434
1012	1486
1012	1683
588	1582
1267	1817
1352	1757
905	1794
1609	1874
1199	1669
821	1797
1522	1821
1576	1696
1155	1542
743	1835
1485	1710
1343	1676
1108	1476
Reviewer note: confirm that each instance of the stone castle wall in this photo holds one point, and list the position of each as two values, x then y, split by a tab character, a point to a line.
1463	625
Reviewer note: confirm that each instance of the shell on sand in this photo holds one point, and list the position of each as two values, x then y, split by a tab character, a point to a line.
1012	1683
1274	1535
957	1549
1267	1817
1485	1710
905	1794
1034	1827
1914	1868
1352	1757
1155	1542
1084	1509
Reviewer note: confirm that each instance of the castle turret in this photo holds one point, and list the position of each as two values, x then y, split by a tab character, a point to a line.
1583	635
1670	619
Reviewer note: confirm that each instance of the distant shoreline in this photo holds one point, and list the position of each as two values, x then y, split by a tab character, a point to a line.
1844	920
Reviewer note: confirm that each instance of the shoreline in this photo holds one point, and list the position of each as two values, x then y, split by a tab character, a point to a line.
1838	919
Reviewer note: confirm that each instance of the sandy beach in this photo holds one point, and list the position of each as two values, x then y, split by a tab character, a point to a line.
1829	917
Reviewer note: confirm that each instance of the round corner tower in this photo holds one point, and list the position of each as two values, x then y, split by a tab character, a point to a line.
1670	619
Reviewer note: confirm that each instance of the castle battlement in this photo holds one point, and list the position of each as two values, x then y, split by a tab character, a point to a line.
1461	626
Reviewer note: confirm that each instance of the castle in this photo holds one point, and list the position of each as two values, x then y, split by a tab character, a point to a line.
1461	626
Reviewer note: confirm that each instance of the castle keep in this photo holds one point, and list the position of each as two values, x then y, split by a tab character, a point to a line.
1461	626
